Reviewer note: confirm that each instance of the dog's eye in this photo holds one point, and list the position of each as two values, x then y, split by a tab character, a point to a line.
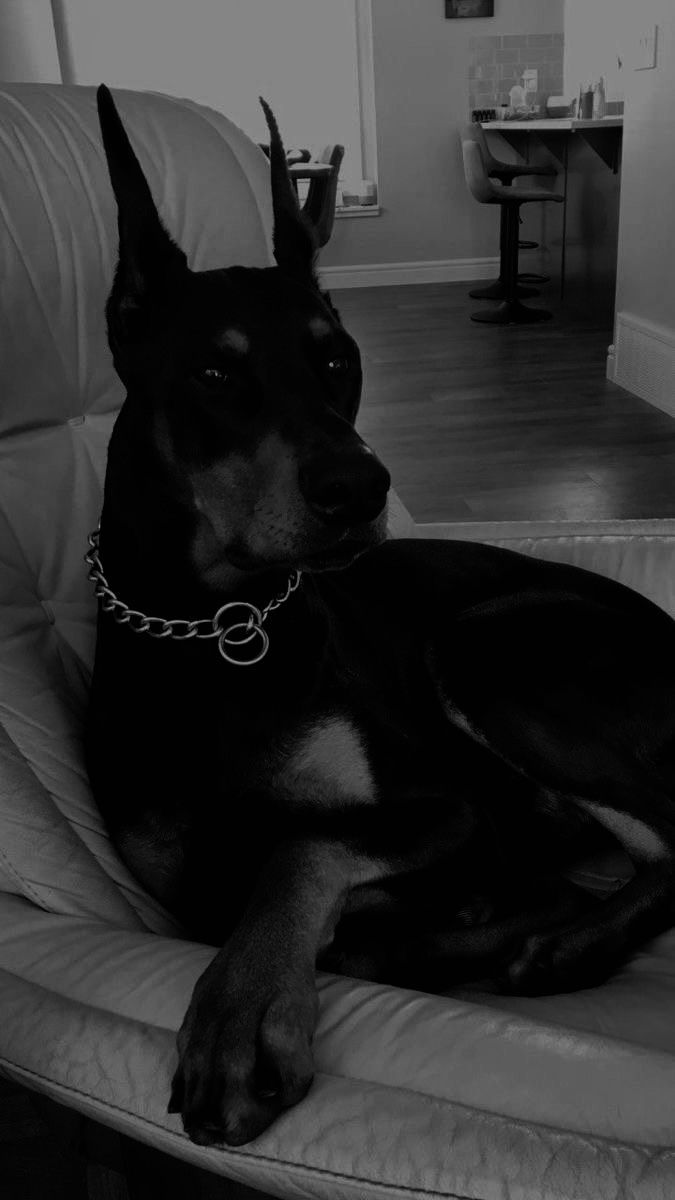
338	366
212	376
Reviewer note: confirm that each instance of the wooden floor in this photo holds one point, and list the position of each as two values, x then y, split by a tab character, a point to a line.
481	422
475	423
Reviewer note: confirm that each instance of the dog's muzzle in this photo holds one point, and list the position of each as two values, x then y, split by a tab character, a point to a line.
350	490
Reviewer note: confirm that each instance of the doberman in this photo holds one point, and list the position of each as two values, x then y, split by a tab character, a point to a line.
325	747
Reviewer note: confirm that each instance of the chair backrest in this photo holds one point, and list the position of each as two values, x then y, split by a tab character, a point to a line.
473	131
59	397
478	181
293	155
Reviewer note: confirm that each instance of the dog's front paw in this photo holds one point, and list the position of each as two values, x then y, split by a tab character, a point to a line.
244	1053
549	963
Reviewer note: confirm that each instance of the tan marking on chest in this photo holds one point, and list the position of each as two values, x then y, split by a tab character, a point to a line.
635	837
234	339
319	327
328	764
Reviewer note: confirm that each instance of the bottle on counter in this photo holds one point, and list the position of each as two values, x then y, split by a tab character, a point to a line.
586	103
599	100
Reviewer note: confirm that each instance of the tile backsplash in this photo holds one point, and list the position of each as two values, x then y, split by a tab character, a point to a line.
496	63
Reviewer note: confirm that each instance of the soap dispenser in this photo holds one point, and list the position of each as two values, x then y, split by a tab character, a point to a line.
517	98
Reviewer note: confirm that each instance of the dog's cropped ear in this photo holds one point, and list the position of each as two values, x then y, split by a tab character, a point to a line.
294	239
149	260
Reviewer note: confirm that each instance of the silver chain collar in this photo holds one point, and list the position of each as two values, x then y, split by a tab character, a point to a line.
246	632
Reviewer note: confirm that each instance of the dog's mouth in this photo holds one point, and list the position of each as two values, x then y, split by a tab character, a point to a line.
334	557
353	543
331	556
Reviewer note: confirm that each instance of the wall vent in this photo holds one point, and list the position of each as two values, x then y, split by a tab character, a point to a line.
644	361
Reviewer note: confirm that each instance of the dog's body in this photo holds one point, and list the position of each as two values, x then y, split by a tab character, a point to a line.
435	734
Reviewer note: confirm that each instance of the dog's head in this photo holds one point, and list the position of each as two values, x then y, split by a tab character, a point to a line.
245	382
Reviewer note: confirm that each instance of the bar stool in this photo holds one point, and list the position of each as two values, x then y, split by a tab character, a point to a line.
490	191
505	173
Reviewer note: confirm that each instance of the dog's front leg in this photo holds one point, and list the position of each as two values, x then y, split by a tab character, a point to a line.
245	1044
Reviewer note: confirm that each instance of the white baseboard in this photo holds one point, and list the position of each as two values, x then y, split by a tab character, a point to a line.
451	270
644	360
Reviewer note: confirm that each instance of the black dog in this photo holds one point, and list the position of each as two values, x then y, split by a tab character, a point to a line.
384	769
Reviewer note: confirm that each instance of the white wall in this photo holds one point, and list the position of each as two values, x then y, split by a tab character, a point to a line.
646	275
421	90
596	44
27	42
225	54
645	296
421	99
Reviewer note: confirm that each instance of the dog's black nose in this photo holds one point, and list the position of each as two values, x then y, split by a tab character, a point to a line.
346	491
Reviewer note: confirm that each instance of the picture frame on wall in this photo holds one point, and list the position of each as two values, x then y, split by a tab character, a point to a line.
469	8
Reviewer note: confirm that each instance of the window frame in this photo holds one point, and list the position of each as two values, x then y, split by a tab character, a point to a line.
363	16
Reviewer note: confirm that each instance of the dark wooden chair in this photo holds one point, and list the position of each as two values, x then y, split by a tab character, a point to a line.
319	203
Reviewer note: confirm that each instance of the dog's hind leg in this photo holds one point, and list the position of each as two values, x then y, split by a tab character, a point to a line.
586	952
542	685
405	948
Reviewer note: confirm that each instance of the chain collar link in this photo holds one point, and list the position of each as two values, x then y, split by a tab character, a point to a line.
247	631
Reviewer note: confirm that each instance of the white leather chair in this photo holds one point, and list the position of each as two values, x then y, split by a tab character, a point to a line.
468	1095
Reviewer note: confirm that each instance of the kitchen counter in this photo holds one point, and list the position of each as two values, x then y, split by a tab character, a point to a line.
553	125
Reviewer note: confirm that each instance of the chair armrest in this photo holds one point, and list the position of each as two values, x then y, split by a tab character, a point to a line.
639	553
413	1095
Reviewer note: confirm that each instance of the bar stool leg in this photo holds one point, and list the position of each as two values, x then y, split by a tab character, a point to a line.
497	290
530	276
511	311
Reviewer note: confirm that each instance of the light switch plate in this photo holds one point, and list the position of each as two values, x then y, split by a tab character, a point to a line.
645	50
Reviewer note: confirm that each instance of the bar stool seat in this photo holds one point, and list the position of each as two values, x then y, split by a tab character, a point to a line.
506	173
493	191
496	167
